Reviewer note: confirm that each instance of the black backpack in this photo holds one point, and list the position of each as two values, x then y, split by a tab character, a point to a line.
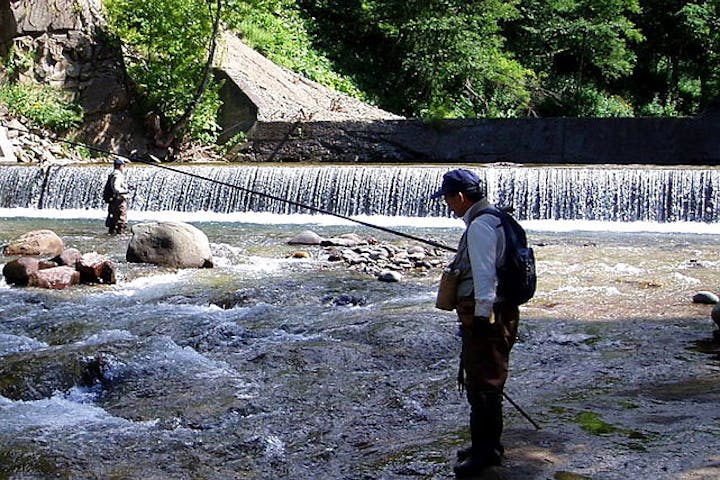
108	192
517	279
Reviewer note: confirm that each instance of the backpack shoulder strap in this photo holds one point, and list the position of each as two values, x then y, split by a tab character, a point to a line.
490	211
513	230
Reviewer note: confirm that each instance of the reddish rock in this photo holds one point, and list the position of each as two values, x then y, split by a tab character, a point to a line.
55	278
69	257
96	268
43	264
37	242
18	272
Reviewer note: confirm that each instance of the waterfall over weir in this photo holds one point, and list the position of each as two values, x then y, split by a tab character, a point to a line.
536	193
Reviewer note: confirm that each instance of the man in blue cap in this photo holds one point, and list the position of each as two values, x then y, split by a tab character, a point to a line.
488	324
117	200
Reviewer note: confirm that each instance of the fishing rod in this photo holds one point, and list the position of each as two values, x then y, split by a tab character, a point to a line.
136	159
302	205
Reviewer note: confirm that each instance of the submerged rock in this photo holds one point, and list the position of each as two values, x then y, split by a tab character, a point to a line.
389	276
344	300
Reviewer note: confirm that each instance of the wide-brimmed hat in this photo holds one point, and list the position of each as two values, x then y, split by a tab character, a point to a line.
458	180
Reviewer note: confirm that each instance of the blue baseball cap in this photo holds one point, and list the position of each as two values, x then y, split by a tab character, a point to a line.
458	180
119	161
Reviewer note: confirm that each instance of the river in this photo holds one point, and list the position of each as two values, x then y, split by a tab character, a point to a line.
259	368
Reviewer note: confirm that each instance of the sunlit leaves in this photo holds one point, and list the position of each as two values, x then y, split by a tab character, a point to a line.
166	46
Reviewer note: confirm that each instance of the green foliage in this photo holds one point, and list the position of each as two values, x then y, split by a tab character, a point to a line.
678	65
203	123
591	102
232	143
44	106
439	59
579	46
277	30
15	63
454	63
166	44
430	58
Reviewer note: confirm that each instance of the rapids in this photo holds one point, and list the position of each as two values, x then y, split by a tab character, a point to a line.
253	370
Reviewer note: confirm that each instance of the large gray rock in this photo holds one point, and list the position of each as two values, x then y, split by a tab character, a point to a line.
37	16
306	237
37	242
715	314
172	244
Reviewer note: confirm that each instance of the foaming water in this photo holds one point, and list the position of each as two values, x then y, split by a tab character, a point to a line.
260	218
55	413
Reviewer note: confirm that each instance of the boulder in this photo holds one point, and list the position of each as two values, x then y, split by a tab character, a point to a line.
307	237
172	244
344	240
55	278
96	268
707	298
715	314
69	257
20	271
37	242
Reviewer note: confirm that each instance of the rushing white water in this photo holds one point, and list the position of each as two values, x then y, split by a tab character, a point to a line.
257	218
603	194
250	370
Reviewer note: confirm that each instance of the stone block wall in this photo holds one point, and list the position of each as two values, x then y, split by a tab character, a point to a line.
63	44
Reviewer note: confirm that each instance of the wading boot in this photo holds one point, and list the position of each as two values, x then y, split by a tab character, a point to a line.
464	453
486	425
476	463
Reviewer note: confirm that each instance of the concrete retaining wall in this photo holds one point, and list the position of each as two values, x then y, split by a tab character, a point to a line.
659	141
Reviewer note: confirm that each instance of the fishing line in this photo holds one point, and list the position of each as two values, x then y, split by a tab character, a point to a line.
135	159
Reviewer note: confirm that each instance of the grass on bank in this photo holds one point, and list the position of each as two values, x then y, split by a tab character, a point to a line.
44	106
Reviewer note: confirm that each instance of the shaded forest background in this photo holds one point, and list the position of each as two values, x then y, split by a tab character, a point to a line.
494	58
431	59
